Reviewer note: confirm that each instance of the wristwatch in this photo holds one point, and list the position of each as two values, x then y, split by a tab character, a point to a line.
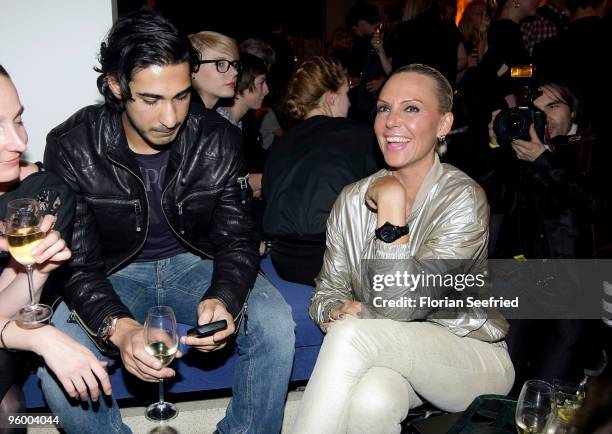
107	328
389	233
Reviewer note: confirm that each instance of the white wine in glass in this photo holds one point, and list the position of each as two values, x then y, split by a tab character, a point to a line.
161	341
23	234
534	407
162	352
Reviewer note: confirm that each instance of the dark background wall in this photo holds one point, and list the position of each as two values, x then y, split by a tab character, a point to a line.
241	19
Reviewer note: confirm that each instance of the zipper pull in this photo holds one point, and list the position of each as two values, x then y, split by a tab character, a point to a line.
180	213
137	212
244	185
243	182
246	319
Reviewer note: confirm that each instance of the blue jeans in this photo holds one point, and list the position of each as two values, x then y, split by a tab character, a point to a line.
265	354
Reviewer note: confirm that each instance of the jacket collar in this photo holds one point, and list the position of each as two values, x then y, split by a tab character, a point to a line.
116	143
432	177
117	147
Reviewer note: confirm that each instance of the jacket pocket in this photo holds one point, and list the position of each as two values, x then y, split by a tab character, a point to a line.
116	210
196	209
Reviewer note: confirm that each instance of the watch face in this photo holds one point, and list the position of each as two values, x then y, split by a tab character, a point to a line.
387	233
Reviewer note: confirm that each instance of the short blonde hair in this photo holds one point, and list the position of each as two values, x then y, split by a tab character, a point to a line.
444	91
214	41
310	81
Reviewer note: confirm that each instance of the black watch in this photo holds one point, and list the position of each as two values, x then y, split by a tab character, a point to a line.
389	233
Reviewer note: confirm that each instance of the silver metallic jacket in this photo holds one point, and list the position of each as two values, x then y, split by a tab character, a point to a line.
449	220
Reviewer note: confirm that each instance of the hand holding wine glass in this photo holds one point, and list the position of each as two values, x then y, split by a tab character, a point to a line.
25	232
377	37
161	342
534	407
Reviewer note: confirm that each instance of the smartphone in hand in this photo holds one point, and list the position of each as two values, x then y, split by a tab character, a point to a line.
207	329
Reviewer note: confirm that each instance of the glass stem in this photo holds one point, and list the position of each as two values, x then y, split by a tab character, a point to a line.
161	391
30	283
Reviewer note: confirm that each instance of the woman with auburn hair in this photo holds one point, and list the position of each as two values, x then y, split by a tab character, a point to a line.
308	167
378	361
473	26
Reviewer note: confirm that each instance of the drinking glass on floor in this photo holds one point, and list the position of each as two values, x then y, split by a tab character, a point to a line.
534	407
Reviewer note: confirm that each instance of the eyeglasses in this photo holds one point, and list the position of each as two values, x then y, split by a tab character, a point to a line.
223	65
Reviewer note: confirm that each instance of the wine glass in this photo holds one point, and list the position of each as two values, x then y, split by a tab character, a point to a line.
23	219
534	407
161	341
568	399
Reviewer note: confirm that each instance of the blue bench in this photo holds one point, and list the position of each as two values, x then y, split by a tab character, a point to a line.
203	372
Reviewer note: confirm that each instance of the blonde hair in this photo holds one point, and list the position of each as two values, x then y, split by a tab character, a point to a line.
309	83
472	34
444	91
214	41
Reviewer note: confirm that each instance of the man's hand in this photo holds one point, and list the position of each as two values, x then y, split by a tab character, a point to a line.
492	136
211	310
129	338
529	150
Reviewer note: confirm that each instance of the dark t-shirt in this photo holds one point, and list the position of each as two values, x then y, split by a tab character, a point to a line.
161	242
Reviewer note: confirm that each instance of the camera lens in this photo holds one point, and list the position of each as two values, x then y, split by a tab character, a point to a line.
512	124
515	124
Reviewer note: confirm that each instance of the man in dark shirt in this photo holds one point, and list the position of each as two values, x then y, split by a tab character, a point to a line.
163	218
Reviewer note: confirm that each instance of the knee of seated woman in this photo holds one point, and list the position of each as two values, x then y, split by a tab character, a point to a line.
381	393
348	329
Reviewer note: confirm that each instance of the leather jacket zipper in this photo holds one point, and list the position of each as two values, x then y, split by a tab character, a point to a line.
136	207
134	202
242	314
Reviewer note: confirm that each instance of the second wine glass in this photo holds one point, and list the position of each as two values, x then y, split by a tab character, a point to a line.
534	407
161	341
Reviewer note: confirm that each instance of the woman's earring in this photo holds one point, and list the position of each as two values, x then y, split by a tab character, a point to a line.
517	3
442	145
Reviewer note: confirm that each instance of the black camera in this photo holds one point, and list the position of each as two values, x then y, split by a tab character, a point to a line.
513	123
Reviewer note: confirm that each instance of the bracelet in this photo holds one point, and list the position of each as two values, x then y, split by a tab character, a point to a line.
2	335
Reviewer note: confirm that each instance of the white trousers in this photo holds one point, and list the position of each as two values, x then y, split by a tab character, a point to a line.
370	372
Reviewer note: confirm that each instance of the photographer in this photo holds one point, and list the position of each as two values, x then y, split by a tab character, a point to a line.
551	192
562	183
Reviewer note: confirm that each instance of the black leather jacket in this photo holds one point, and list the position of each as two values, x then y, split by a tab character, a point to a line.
204	199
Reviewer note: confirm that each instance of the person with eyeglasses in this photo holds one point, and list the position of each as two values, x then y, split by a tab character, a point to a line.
219	67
